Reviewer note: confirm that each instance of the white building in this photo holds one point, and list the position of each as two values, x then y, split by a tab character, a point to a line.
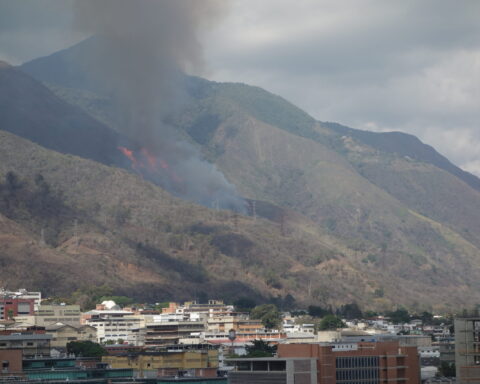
113	328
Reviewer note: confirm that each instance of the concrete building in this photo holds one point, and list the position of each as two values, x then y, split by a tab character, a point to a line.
47	315
64	333
30	343
281	370
165	333
51	314
11	306
23	294
10	361
114	328
365	362
176	360
467	350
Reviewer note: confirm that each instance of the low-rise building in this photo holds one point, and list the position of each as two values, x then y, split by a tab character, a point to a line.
62	334
115	328
11	306
10	362
51	314
22	293
30	343
165	333
176	360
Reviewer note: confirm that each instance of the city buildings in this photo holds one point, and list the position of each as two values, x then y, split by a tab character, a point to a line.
364	362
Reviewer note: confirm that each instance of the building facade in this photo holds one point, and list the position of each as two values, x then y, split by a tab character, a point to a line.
62	334
364	362
467	350
11	306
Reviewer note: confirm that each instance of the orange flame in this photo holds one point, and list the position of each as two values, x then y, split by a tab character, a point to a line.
129	154
149	162
152	161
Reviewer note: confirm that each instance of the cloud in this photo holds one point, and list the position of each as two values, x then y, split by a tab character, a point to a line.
409	66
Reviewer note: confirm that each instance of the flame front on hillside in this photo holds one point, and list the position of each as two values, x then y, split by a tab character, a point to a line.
153	168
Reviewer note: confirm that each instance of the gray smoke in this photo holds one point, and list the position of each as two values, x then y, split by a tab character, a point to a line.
143	49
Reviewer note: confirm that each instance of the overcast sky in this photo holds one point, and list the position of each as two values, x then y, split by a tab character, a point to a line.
411	66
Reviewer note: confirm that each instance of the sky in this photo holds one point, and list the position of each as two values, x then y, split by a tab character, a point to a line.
410	66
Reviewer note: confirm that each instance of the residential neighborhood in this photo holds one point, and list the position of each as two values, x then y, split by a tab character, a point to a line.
219	342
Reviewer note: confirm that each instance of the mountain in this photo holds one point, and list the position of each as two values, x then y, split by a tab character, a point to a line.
30	110
395	222
80	223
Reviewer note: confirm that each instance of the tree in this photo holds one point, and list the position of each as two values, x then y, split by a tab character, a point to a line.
400	315
426	317
369	314
260	348
244	304
331	322
12	182
351	311
86	349
316	311
269	314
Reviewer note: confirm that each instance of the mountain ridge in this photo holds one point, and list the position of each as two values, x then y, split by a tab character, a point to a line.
387	223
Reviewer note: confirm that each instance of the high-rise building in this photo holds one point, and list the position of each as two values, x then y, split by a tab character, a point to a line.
363	362
467	350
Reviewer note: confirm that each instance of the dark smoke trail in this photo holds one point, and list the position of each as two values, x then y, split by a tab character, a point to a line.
144	47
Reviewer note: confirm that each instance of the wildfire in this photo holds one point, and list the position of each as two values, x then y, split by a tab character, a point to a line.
152	161
129	154
151	166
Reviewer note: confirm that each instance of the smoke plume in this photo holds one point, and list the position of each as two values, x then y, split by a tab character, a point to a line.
143	49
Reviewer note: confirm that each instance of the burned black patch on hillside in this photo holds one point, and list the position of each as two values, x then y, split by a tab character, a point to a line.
266	210
193	273
37	205
205	229
233	245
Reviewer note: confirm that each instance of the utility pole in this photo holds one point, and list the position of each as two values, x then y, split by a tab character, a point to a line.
253	209
282	225
75	233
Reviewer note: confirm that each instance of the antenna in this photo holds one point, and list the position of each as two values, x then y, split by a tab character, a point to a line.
235	221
